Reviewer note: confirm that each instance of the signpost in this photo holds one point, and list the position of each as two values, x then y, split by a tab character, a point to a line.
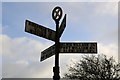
58	47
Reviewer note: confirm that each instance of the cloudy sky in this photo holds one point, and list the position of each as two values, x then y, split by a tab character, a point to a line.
86	22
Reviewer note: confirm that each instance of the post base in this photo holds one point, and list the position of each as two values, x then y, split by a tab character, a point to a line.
56	73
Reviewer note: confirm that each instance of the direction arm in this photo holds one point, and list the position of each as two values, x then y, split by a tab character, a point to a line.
39	30
62	26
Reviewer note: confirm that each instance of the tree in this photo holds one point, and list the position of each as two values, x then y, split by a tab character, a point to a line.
94	68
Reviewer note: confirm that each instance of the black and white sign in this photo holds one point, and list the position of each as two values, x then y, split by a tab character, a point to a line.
62	26
39	30
47	53
78	47
70	48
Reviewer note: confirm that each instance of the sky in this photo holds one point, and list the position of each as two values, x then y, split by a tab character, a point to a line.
86	22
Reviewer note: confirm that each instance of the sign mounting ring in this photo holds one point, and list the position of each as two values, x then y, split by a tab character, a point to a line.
57	13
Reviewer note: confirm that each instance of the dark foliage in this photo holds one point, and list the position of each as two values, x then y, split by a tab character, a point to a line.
94	68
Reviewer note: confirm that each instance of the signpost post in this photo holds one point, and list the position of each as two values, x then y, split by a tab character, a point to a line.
58	47
56	15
